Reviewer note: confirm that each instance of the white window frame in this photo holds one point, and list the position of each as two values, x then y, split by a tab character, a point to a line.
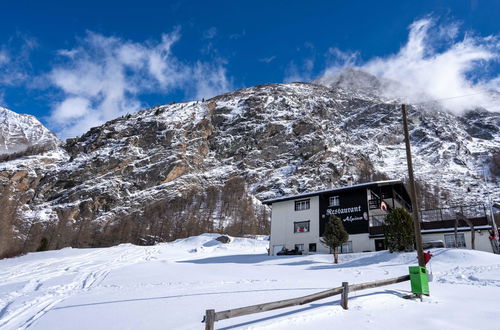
449	241
307	229
346	247
299	247
303	204
334	201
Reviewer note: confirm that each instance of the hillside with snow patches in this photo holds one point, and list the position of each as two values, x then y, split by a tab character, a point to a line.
23	135
183	169
170	285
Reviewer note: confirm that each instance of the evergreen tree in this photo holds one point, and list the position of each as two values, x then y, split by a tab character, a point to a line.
398	230
44	245
334	236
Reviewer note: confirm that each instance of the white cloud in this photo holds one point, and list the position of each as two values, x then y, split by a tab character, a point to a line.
2	99
4	60
210	80
337	59
435	64
492	84
236	36
70	108
302	72
210	33
267	59
103	78
4	57
15	64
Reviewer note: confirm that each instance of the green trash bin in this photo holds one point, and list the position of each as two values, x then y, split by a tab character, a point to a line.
419	280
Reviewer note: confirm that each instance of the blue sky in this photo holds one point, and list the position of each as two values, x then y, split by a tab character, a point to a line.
76	66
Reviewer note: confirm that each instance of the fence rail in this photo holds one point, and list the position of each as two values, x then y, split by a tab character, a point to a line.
211	316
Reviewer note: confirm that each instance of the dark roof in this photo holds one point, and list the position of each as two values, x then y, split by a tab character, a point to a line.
345	188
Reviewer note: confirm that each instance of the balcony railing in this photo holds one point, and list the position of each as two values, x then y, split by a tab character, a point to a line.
449	213
439	218
374	202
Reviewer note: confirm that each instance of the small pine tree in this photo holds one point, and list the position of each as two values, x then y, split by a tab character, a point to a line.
398	230
44	245
334	236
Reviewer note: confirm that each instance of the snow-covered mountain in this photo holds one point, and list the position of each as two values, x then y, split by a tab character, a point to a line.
359	83
23	135
182	169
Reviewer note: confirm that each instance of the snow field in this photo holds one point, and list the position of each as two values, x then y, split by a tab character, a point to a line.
170	285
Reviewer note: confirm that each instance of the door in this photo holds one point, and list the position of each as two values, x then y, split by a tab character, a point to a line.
312	247
277	248
380	245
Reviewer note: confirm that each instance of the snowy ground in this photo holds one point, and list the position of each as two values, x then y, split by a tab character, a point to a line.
169	286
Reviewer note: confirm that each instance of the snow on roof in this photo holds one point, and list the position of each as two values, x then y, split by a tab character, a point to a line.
314	193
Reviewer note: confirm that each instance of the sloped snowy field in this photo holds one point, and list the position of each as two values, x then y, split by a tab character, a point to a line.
170	285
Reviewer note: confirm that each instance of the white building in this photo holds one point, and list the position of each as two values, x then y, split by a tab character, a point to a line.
298	221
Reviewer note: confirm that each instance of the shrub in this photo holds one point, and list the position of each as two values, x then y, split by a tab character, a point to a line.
44	245
399	231
334	236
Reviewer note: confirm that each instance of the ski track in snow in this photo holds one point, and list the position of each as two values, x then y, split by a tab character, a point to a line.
190	275
472	275
22	308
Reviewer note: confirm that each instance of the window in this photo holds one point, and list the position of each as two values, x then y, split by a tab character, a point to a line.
346	247
301	227
449	240
312	247
299	247
302	205
334	201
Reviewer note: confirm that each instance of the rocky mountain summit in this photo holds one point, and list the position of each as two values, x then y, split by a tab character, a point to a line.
22	135
183	169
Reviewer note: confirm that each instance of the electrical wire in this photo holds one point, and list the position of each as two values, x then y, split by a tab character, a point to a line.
420	103
448	98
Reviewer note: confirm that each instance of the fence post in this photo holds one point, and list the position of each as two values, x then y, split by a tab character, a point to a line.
344	296
209	319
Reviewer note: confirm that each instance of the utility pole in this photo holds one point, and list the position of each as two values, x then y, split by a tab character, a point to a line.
413	192
496	248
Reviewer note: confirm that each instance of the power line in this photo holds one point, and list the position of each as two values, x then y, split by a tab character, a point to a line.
391	112
449	98
379	119
419	103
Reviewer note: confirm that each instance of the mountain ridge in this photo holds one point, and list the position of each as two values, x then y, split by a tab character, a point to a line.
182	169
22	135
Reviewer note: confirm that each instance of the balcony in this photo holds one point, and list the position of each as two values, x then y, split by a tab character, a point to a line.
443	218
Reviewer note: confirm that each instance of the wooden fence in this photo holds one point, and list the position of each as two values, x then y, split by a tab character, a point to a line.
212	316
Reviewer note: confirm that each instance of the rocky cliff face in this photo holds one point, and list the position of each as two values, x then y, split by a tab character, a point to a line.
27	150
187	168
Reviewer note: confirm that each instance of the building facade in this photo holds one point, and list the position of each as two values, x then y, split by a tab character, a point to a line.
298	221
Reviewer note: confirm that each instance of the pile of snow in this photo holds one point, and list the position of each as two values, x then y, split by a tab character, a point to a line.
170	285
